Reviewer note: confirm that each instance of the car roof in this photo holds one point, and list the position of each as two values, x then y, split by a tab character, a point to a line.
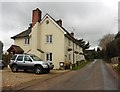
24	54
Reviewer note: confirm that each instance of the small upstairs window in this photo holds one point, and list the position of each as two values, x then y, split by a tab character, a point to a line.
27	40
48	38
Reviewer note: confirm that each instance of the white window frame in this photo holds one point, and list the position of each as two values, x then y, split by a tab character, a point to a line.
49	38
49	57
27	40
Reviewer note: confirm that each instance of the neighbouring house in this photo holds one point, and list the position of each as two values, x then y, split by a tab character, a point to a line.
49	40
1	50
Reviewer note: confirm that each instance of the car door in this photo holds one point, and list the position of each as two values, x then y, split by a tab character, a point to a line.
19	61
28	62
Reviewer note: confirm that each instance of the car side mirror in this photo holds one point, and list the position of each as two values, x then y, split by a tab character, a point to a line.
30	60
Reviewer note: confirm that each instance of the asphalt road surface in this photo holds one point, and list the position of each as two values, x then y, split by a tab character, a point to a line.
94	76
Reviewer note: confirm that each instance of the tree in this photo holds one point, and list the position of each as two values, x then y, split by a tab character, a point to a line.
104	44
5	58
98	49
105	40
111	49
87	45
83	44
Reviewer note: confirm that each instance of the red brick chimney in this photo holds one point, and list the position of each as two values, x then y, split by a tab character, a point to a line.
36	16
59	22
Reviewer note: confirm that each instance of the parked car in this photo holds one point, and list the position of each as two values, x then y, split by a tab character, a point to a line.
1	64
29	62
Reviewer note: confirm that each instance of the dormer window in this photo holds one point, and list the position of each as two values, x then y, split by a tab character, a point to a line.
27	40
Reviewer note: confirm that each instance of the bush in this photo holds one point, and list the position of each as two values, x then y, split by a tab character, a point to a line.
5	59
80	66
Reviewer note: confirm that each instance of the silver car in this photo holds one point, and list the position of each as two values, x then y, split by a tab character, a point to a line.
29	62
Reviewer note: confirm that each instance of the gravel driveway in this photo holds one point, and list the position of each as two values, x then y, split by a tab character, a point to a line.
12	80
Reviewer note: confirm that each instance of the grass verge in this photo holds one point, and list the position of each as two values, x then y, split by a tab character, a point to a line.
81	65
117	69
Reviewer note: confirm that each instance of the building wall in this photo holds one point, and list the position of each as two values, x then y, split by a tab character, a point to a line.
35	40
21	42
57	45
69	44
81	56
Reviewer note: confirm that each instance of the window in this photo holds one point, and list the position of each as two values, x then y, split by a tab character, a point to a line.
49	56
27	40
14	57
35	58
20	58
48	38
27	58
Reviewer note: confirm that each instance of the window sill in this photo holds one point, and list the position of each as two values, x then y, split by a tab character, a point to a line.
26	44
48	43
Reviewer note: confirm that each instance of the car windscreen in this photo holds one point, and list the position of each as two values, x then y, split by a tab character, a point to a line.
35	58
13	57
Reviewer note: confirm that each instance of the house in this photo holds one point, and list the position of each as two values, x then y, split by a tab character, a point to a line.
49	40
1	50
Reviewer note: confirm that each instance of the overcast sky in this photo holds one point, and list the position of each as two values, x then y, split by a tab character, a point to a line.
89	20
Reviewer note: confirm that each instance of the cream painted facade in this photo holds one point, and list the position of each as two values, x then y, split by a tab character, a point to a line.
58	47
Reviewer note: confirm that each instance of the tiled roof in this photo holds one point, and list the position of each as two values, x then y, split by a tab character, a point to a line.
28	31
23	34
17	49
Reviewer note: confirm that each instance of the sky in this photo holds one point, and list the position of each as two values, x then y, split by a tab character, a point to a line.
88	19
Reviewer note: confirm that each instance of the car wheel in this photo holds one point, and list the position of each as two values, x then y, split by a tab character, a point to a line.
14	68
38	70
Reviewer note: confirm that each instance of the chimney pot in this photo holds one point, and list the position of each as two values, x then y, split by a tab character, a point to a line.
72	34
59	22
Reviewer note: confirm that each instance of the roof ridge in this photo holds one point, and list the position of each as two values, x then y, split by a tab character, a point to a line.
23	33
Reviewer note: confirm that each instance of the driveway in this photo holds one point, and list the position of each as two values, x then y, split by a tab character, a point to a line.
21	79
95	76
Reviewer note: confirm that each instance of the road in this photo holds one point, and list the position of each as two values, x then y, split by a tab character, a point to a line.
94	76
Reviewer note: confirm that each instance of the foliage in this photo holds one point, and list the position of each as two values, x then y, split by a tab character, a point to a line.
117	68
105	40
112	48
93	54
98	49
83	44
90	55
5	58
81	65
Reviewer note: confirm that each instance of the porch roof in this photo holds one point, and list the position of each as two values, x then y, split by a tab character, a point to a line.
16	49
